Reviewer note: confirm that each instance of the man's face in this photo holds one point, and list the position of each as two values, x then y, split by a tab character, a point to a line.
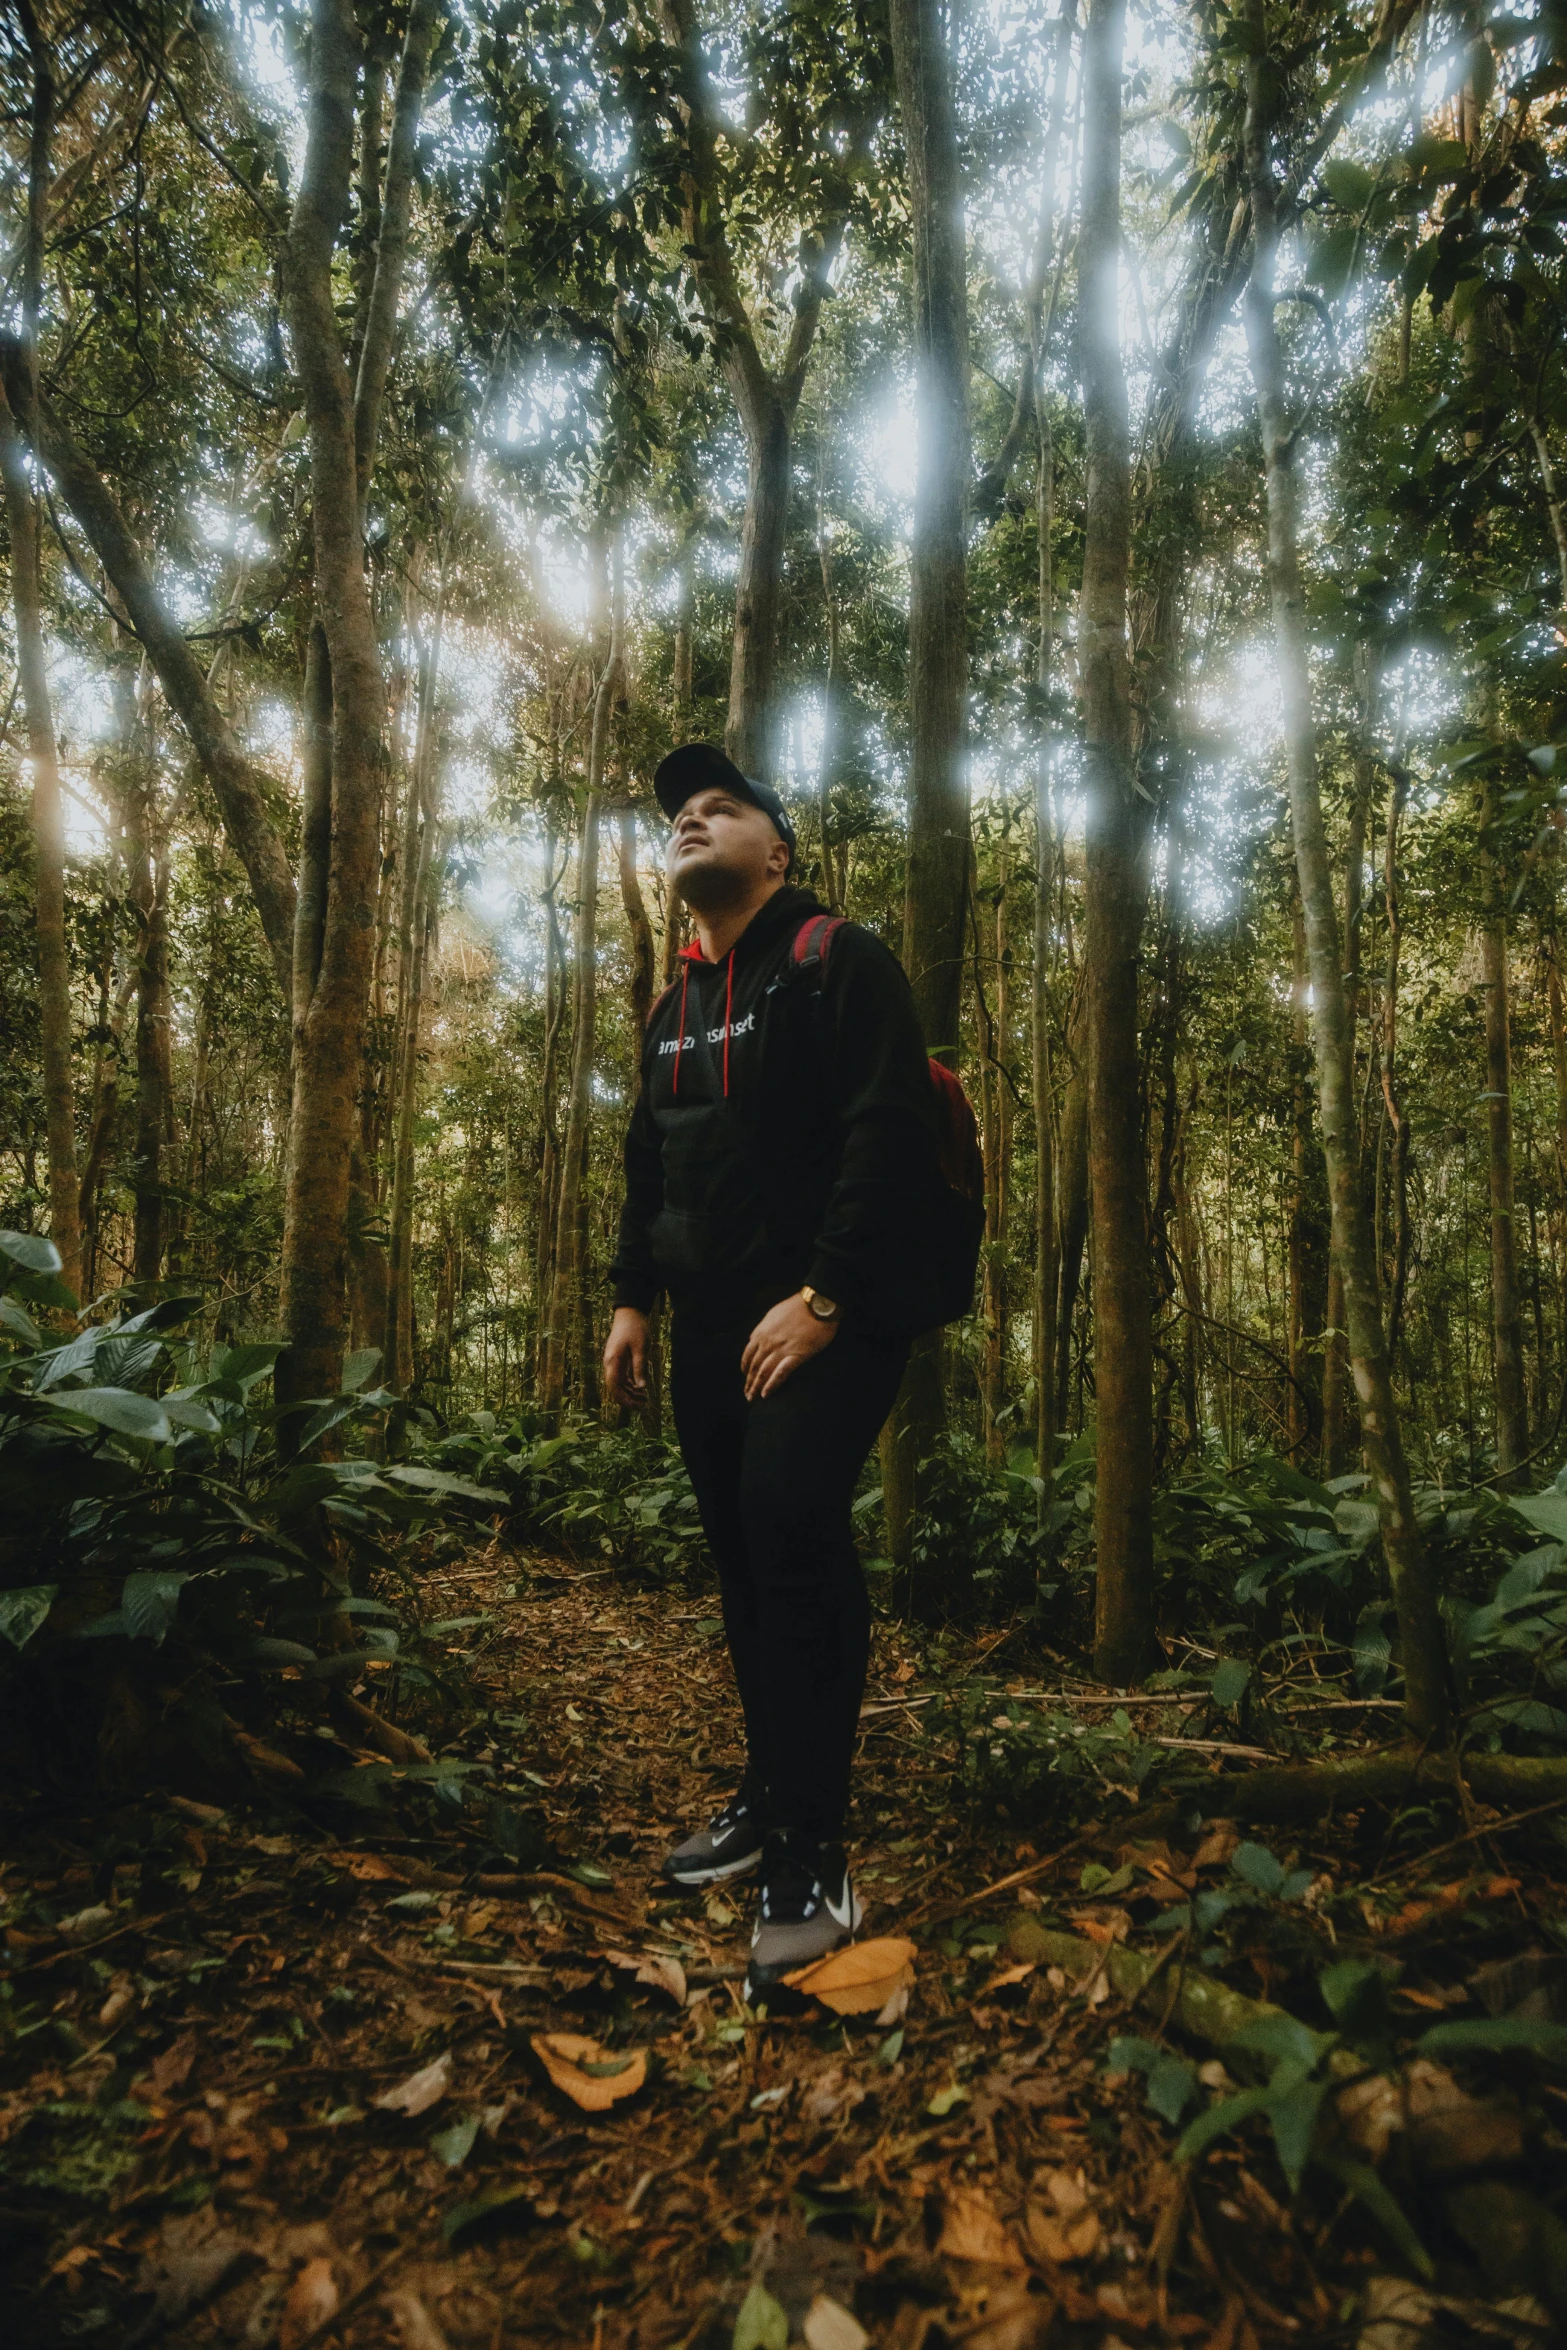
722	849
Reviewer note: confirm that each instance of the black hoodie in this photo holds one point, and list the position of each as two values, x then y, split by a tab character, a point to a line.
785	1133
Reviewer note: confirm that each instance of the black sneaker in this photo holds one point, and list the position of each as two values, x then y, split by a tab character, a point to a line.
728	1846
807	1908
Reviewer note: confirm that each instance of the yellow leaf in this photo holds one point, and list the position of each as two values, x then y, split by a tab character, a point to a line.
421	2090
574	2065
860	1978
972	2230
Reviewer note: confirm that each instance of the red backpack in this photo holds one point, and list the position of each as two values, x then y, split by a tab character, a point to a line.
960	1199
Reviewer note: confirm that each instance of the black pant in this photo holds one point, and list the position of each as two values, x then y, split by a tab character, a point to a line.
774	1481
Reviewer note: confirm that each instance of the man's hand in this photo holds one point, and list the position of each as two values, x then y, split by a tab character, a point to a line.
625	1358
785	1337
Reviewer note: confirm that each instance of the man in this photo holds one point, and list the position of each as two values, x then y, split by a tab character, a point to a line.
779	1173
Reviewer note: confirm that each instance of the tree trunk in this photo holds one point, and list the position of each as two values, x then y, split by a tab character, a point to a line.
1512	1407
1336	1432
329	1029
1398	1123
1300	1251
1116	898
416	913
938	836
17	416
1073	1205
1045	1250
1424	1659
48	826
571	1230
149	894
641	930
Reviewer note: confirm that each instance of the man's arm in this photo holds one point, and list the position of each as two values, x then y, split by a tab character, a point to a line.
880	1095
632	1271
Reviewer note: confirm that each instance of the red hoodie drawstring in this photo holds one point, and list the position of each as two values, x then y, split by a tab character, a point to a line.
680	1038
729	1005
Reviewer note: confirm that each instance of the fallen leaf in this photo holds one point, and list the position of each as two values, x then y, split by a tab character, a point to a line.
312	2298
592	2077
1060	2240
87	1924
454	2146
829	2326
266	1759
972	2230
860	1978
464	2219
416	2327
368	1867
118	2005
421	2090
191	2261
1222	1838
1103	1926
1067	2193
171	2070
656	1969
763	2324
1008	1976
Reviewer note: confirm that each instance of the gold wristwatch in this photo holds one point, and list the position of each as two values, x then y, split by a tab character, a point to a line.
822	1307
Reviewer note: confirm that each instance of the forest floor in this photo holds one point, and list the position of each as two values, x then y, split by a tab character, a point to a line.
328	2123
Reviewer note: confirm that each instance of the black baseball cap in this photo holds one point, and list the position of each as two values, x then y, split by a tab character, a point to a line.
704	767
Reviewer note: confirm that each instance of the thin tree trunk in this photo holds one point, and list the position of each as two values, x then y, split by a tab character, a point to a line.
415	921
149	895
1512	1407
1335	1359
571	1230
938	835
48	823
1414	1593
48	828
1073	1202
1116	899
329	1038
1398	1123
1298	1420
641	930
832	878
1045	1250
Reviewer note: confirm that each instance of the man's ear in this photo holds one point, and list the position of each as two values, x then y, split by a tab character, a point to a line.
778	858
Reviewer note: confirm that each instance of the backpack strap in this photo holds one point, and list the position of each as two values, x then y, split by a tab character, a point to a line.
813	943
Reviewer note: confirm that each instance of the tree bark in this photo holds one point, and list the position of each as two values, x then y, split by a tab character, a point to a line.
641	932
1512	1404
1116	898
767	401
1045	1249
1414	1592
391	243
570	1242
415	921
938	833
17	416
48	829
1398	1122
329	1037
1073	1201
244	793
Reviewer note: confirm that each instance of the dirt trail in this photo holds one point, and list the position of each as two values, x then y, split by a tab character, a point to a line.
281	2087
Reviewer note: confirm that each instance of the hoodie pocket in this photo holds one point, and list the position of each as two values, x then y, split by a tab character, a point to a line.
680	1244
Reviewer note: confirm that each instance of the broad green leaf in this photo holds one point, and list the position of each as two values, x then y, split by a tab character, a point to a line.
23	1610
1129	2054
31	1251
1349	184
1256	1866
185	1411
358	1368
242	1366
13	1319
439	1481
1283	2039
1218	2121
1172	2085
1228	1685
149	1603
119	1408
1546	1512
1498	2036
1293	2116
1363	2183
